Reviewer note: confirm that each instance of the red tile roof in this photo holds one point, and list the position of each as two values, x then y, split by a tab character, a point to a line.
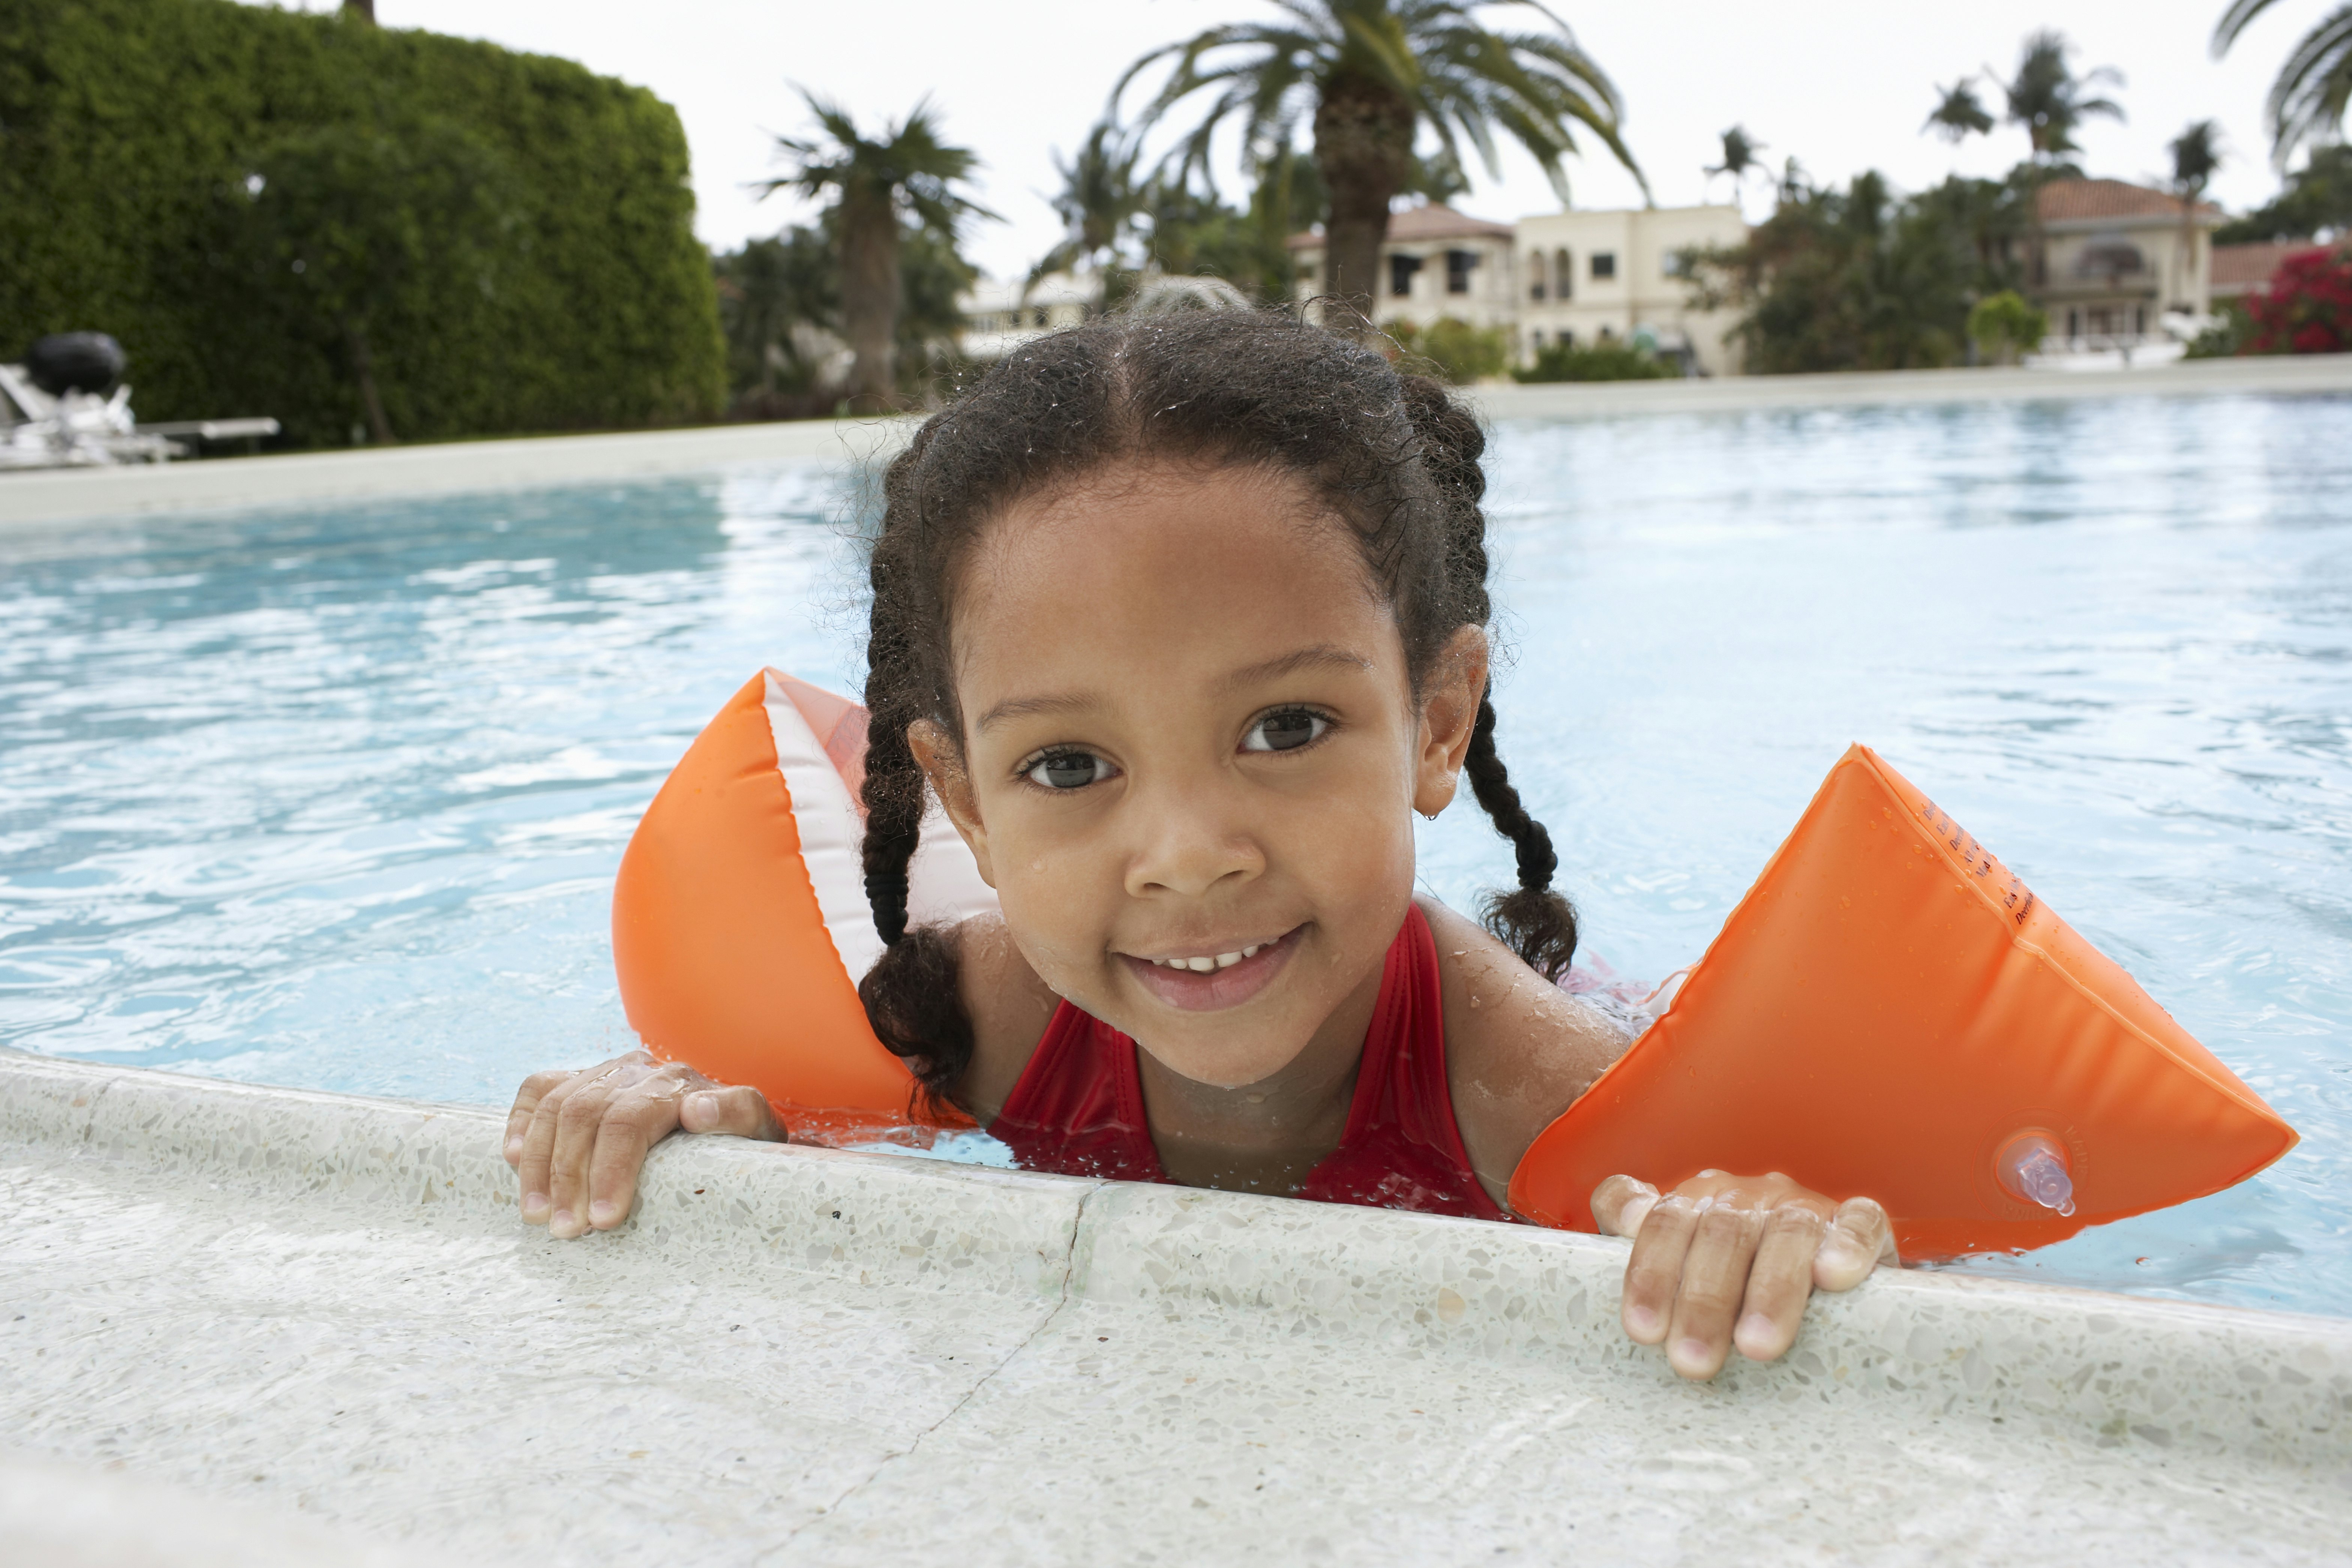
2066	201
2240	268
1434	221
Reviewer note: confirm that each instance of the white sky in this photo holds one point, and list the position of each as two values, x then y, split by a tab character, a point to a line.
1844	85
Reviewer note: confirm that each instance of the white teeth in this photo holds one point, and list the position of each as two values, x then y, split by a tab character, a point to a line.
1210	965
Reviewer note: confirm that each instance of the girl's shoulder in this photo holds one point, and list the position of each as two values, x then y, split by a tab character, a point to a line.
1518	1048
1008	1007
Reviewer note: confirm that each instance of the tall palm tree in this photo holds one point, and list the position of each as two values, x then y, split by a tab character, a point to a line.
1740	159
2050	101
1101	196
2196	155
2314	86
1368	74
1959	113
907	172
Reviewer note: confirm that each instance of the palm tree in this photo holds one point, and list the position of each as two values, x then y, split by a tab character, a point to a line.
1740	159
907	172
2196	155
2314	86
1100	199
1959	113
2047	98
1368	74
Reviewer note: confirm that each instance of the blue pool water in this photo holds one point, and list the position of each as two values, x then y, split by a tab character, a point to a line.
334	798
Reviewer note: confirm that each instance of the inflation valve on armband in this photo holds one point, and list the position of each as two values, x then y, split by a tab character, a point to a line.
2031	1168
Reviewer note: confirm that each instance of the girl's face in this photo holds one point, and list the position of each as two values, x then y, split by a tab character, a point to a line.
1191	756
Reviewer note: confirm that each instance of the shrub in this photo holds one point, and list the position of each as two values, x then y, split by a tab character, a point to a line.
2225	335
133	128
1605	362
2307	307
1459	351
2004	326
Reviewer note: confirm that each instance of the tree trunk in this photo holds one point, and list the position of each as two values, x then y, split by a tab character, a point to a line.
869	295
363	369
1363	143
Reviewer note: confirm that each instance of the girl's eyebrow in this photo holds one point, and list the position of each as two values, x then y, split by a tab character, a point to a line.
1322	656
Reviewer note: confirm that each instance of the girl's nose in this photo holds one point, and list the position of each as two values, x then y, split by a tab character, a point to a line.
1187	841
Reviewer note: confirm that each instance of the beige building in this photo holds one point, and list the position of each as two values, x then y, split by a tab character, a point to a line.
2115	258
1590	277
1436	262
1575	276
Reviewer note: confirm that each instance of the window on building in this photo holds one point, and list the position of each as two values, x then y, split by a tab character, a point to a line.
2139	320
1534	275
1675	264
1459	265
1567	338
1604	265
1535	340
1401	271
1563	274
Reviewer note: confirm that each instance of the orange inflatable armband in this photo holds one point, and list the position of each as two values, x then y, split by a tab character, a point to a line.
740	919
1889	1013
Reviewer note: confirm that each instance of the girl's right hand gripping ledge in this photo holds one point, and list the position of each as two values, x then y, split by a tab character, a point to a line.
578	1139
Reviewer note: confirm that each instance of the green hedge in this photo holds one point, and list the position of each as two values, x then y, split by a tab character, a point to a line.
128	131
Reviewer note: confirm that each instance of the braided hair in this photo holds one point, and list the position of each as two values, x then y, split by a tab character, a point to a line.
1394	457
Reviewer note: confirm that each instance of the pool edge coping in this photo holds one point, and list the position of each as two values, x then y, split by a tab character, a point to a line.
132	492
2114	1368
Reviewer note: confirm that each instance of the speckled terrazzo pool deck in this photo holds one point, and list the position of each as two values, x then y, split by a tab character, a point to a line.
320	1315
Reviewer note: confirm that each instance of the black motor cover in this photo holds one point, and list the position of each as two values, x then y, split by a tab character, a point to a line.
75	362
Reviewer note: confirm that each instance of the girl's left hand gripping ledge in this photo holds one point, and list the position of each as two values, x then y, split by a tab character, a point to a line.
1727	1260
578	1139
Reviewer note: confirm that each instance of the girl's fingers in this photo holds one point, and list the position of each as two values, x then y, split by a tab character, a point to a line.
534	1089
739	1109
1779	1282
633	1121
1860	1238
1715	1281
1655	1268
567	1164
538	1149
1621	1203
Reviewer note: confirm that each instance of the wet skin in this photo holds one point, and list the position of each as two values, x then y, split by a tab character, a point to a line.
1189	757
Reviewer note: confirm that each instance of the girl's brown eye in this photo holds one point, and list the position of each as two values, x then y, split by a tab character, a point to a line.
1069	770
1284	731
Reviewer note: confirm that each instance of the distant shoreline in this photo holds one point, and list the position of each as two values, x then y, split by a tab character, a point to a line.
539	462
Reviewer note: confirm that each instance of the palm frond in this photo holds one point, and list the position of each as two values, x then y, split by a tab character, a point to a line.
2234	21
2307	101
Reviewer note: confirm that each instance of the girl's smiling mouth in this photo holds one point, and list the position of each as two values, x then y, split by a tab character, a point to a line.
1206	983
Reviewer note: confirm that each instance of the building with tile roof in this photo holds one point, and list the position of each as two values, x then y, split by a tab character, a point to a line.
2113	256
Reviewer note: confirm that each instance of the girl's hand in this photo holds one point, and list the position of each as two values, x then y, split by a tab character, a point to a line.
1721	1249
578	1139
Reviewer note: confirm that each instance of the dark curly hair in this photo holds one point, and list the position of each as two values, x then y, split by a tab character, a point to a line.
1394	457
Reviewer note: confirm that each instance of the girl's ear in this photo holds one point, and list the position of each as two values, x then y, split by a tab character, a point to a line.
941	760
1449	713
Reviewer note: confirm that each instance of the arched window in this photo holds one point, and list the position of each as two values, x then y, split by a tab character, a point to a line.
1561	274
1534	275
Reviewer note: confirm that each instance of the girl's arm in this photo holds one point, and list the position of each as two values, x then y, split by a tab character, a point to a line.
1723	1259
578	1140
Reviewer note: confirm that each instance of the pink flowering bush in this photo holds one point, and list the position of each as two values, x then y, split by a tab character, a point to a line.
2307	307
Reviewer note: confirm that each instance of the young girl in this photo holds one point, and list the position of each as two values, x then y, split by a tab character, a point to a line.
1181	619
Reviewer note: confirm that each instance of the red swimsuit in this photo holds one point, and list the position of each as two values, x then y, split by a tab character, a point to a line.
1078	1108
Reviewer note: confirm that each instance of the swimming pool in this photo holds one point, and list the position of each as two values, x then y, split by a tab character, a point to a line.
334	798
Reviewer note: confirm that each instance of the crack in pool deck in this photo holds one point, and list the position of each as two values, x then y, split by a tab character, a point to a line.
1070	1270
